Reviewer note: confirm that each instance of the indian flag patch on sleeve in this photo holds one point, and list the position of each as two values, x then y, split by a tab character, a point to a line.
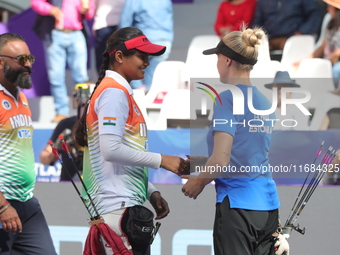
109	121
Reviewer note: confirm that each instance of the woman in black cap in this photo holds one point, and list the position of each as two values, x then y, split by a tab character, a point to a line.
247	200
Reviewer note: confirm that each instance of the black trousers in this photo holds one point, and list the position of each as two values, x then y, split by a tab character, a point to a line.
243	232
35	237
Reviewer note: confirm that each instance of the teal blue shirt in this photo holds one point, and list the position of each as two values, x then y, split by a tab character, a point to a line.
246	181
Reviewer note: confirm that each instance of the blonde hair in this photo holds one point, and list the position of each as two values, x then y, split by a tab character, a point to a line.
245	42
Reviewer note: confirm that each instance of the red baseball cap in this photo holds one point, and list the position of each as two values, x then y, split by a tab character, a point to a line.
141	43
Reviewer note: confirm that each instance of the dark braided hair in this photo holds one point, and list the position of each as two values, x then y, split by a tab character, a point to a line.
119	36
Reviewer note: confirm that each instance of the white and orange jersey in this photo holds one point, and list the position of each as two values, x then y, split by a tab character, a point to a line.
113	185
17	174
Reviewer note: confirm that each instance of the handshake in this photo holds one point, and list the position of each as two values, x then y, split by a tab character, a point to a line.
182	167
175	164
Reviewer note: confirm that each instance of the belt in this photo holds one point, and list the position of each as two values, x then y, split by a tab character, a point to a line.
66	30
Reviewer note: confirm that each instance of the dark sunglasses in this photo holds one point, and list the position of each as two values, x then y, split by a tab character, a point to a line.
22	59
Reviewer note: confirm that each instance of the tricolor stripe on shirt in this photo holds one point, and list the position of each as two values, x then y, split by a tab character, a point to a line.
109	121
110	183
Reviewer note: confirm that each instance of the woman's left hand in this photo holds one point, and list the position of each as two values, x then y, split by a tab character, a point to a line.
160	205
193	187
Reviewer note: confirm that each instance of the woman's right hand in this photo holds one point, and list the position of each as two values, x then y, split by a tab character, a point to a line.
175	164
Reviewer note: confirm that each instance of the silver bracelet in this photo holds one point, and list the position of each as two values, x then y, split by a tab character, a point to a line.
5	208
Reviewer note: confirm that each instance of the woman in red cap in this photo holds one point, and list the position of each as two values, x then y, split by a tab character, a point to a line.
114	134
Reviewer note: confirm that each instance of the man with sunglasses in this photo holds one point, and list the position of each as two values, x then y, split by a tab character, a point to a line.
23	228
